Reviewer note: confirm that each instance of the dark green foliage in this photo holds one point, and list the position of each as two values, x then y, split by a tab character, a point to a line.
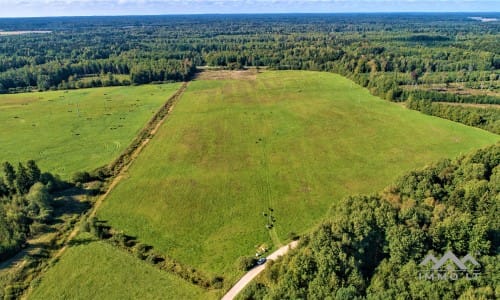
34	172
245	263
39	203
485	118
254	291
23	182
11	232
4	189
25	204
9	173
450	97
53	182
162	70
385	53
372	246
101	174
81	177
99	229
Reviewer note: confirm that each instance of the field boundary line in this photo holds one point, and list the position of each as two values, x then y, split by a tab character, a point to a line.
120	165
146	133
125	160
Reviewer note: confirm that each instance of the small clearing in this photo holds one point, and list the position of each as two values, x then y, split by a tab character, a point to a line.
207	74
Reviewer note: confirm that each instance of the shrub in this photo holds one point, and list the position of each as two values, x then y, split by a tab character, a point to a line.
140	250
101	173
118	239
245	263
293	236
154	258
217	282
81	177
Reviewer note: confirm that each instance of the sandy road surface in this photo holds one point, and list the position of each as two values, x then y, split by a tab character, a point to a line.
250	275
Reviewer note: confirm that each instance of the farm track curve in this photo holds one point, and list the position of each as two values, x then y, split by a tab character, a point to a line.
250	275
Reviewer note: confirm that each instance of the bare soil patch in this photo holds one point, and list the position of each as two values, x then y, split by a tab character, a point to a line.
250	74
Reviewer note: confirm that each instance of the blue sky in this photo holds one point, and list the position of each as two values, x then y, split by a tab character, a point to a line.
33	8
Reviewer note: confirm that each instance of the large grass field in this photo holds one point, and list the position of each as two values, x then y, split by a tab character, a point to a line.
98	271
291	141
68	131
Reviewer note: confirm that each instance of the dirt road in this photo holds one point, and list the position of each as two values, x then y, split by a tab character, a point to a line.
152	127
250	275
152	131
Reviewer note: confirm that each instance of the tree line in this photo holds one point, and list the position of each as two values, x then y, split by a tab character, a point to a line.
372	246
26	204
481	117
433	57
383	52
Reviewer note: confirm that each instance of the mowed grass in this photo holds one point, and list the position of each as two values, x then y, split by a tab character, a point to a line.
99	271
294	142
69	131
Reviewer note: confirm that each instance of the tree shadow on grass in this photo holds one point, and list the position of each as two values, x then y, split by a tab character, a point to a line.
71	202
82	241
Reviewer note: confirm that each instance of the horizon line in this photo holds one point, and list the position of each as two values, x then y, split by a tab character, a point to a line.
256	13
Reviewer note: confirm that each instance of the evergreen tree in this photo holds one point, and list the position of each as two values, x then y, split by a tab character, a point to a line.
10	174
33	171
22	180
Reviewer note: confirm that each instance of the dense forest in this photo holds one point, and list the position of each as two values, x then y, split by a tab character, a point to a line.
487	118
425	57
371	246
26	204
384	52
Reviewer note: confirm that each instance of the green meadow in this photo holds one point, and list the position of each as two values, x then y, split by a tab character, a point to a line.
98	271
287	144
77	130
